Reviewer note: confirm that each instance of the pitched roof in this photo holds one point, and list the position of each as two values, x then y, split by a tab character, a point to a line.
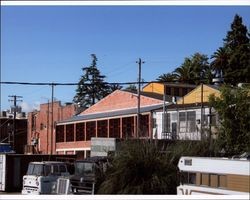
120	100
110	114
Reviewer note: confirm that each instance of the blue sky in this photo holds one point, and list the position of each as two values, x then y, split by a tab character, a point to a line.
53	43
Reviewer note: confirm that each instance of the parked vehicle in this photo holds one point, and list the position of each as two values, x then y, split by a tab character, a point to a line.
89	173
200	175
41	177
14	166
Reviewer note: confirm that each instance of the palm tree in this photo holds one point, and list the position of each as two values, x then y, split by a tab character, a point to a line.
183	73
220	61
169	77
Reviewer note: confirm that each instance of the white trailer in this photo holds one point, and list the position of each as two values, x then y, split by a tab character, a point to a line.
204	175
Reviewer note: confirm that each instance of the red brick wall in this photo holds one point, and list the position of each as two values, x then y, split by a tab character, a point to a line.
42	128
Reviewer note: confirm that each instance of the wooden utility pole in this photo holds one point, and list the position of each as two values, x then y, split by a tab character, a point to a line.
52	118
140	62
13	132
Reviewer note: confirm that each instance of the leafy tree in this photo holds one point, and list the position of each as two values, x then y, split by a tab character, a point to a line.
149	167
91	87
233	108
237	44
200	68
194	70
139	168
131	87
114	87
169	77
183	73
220	61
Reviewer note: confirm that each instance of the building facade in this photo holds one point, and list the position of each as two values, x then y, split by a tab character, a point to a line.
41	126
115	116
190	118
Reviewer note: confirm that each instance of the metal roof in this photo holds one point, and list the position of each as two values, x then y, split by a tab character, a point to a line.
111	114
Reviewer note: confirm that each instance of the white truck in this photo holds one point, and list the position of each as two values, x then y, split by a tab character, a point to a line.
41	177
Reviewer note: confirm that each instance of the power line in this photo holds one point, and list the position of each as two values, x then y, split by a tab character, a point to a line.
70	84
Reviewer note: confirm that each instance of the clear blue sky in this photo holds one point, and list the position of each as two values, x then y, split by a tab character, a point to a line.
53	43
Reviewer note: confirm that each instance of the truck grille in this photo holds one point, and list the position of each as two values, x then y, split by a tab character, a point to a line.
63	185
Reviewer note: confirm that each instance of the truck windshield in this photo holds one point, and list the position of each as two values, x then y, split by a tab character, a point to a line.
84	168
35	169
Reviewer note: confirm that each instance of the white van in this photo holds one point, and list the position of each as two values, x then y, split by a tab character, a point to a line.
41	177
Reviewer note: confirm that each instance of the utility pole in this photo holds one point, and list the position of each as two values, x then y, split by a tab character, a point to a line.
14	98
202	110
140	62
52	117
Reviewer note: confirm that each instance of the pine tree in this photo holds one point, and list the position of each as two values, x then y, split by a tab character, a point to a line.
91	87
238	47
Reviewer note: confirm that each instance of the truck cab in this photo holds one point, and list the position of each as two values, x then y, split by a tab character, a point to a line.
41	177
89	173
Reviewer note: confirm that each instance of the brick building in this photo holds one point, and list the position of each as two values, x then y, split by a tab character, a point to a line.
40	126
114	116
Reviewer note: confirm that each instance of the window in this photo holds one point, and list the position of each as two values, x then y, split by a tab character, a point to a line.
80	131
56	170
184	91
191	178
144	125
102	128
60	133
168	91
41	126
47	170
90	130
188	162
69	132
174	116
114	128
182	119
191	119
62	168
127	127
188	178
176	92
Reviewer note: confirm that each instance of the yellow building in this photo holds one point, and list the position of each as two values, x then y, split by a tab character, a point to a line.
200	94
171	89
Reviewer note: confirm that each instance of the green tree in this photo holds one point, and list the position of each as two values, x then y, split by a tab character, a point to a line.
131	87
169	77
139	168
91	87
233	108
184	73
114	87
220	61
194	70
149	167
238	47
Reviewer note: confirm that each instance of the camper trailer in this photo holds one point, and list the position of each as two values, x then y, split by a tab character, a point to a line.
215	176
